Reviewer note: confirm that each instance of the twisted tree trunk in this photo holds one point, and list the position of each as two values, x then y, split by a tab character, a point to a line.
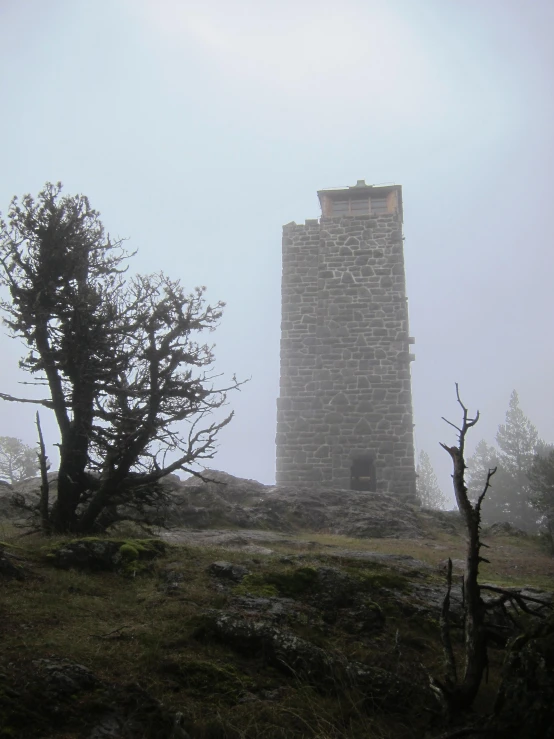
460	694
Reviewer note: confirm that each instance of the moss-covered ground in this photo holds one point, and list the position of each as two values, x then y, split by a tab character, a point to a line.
142	627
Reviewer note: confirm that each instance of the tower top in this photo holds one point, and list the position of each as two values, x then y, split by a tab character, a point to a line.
361	199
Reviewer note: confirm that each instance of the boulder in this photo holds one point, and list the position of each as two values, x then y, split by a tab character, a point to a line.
309	663
274	609
221	484
503	528
48	697
99	555
228	571
20	502
9	567
221	500
63	677
250	504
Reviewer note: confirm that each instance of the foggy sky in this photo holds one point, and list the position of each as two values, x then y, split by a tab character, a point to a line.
199	128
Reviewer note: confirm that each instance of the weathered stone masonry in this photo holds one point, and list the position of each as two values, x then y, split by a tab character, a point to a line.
345	411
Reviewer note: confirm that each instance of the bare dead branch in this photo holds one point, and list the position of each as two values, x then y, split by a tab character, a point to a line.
518	598
490	473
44	486
45	402
451	424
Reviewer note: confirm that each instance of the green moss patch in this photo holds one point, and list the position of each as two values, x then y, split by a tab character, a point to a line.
127	556
382	580
289	583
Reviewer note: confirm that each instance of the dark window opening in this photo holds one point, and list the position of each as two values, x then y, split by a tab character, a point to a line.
362	474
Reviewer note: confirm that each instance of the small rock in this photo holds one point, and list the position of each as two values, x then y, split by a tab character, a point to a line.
8	568
503	528
248	698
106	555
458	565
273	695
367	618
228	571
171	580
65	677
110	727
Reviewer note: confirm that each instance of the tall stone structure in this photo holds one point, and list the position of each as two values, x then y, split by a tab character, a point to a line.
344	415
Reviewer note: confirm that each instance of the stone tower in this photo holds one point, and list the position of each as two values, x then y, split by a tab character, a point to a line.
344	415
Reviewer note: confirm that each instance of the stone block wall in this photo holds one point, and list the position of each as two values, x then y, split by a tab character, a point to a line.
345	362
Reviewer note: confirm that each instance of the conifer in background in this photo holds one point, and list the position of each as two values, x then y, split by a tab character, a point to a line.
428	490
509	497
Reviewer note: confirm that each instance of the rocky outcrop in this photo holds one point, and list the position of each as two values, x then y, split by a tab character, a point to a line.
228	571
105	555
64	696
503	528
298	657
346	512
19	502
10	568
248	638
248	504
222	500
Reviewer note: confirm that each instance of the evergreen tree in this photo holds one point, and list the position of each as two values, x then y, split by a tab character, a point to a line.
509	500
541	484
484	458
517	440
428	489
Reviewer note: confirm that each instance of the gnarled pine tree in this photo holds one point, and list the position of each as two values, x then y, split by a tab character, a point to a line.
118	356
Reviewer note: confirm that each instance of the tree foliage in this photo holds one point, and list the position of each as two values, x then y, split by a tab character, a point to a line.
509	497
119	356
428	490
517	439
484	458
541	484
17	460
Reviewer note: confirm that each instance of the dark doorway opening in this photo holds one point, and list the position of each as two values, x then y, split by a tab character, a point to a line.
362	474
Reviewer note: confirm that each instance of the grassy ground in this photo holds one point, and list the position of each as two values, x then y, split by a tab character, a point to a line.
130	629
513	560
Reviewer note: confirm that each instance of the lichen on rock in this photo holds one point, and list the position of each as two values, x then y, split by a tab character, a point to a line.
105	555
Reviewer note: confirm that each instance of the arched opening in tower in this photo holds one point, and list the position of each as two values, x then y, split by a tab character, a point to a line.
362	474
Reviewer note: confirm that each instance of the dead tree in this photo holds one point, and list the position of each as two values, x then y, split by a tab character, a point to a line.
460	692
44	483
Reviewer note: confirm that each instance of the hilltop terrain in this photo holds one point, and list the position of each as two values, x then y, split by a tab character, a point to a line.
275	613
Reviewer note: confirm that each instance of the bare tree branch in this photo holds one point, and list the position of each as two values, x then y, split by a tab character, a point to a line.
45	486
461	695
46	403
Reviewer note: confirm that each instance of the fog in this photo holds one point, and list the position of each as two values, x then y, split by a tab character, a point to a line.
198	129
